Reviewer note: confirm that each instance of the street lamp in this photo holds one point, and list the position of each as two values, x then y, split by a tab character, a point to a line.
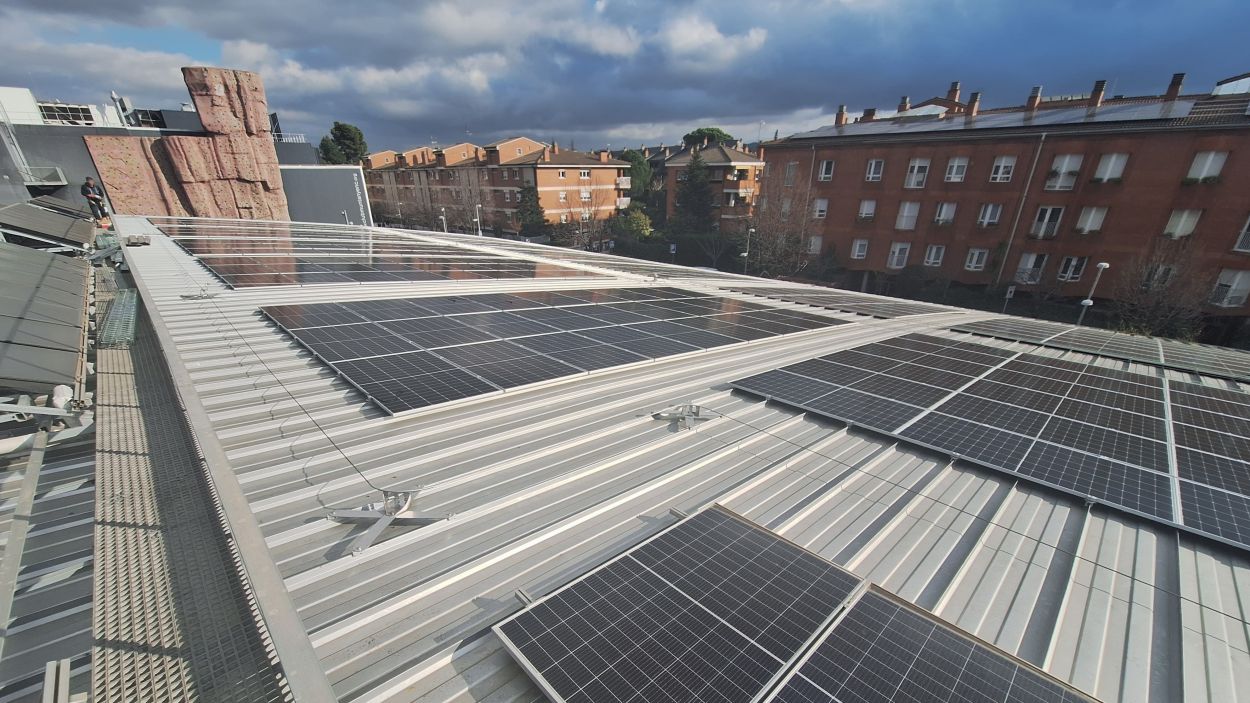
478	220
443	217
1089	301
346	218
746	255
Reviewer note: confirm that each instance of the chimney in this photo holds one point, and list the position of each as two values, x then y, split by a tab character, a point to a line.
546	154
839	119
604	155
952	94
1174	88
1095	97
869	115
646	152
555	149
705	142
738	146
905	104
974	105
1035	97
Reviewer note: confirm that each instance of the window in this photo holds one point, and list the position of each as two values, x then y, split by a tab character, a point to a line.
826	170
516	175
1243	241
867	209
907	213
518	151
1182	223
1157	276
1231	289
1003	167
1046	225
503	174
815	244
989	214
584	174
564	196
1090	221
876	168
585	195
917	173
1064	171
945	214
820	208
1207	165
1071	268
1110	167
785	208
933	254
859	249
898	255
560	173
791	169
1030	270
976	259
956	169
507	196
585	216
564	218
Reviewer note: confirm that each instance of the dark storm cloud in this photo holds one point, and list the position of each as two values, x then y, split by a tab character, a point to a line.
619	71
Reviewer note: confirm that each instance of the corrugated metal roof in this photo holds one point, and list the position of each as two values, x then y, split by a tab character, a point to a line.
544	482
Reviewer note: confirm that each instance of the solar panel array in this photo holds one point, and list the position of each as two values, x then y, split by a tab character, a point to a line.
710	610
886	651
1105	434
611	262
415	352
1200	358
845	301
717	608
280	254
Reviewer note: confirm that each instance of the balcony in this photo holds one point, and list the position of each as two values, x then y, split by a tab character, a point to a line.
1225	297
622	203
624	183
1044	230
1028	277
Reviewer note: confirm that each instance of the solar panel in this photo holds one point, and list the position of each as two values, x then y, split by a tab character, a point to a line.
714	608
846	301
499	341
1215	511
884	650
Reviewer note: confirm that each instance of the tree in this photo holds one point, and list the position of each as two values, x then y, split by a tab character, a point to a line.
348	142
714	135
782	222
330	152
530	215
693	213
1161	293
640	174
631	225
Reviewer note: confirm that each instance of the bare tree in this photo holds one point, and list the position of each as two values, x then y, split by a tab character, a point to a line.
1162	292
783	223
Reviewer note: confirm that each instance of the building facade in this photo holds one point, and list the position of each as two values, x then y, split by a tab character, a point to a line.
1034	195
736	178
465	185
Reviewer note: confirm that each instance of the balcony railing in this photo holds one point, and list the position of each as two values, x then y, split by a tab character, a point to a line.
1028	277
1044	230
622	203
624	183
289	138
1226	297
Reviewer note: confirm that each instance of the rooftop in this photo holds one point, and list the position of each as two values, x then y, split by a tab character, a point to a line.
530	487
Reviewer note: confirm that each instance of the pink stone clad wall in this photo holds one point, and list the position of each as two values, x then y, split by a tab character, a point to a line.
231	172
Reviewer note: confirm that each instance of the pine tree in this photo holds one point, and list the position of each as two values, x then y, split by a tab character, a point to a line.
530	213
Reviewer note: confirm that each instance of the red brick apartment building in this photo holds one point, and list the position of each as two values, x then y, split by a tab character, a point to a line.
465	181
1035	194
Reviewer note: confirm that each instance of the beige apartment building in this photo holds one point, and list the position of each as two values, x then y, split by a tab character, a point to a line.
464	186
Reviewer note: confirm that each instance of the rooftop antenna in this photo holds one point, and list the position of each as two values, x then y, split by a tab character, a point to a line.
395	508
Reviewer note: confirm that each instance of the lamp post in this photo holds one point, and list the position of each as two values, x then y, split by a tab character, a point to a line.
1089	301
443	217
346	218
478	220
746	255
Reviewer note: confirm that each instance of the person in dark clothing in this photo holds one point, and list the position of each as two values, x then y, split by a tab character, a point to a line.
95	198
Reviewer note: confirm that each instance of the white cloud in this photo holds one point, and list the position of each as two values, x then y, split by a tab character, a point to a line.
695	43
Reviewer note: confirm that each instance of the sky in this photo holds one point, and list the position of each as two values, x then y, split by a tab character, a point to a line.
619	73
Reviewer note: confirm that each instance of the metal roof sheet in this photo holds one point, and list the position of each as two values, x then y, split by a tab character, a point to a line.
543	483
